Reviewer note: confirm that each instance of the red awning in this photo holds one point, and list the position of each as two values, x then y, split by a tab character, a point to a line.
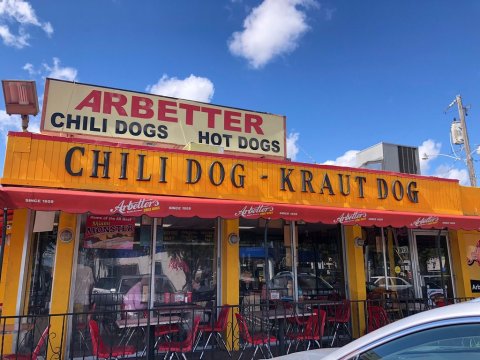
101	203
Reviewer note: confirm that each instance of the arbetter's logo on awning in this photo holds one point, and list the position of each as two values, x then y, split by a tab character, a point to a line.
351	217
422	221
134	206
255	211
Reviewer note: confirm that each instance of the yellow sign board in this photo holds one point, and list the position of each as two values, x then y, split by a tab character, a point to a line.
41	160
88	110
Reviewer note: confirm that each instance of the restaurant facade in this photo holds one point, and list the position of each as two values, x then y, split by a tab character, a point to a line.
198	203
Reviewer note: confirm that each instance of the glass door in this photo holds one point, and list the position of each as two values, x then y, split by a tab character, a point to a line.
387	257
41	268
433	274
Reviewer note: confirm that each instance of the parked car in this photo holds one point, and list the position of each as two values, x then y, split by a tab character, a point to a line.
398	284
449	332
110	291
433	286
309	285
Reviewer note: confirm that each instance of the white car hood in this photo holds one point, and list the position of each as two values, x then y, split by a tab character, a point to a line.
308	355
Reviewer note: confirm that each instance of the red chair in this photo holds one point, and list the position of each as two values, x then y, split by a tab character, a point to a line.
164	331
296	322
81	325
341	318
258	340
101	350
181	347
215	330
313	331
377	317
36	351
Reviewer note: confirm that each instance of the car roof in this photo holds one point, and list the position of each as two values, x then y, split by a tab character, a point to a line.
469	309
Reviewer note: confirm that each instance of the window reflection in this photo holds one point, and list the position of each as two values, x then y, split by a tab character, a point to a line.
115	271
320	261
387	262
254	252
186	258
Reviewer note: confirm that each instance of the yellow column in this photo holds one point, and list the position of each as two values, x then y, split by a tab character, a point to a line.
6	251
14	266
230	274
62	278
356	278
463	246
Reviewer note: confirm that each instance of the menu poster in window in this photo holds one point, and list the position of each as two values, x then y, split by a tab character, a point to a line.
109	232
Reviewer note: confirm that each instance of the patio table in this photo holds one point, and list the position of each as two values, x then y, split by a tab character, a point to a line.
279	315
132	325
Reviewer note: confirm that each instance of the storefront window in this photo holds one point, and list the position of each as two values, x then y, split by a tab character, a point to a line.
388	265
113	269
116	263
256	251
186	258
129	264
320	262
435	280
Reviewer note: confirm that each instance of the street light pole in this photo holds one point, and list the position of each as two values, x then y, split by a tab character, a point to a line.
463	124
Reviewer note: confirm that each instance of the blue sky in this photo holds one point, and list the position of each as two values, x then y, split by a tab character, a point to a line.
347	74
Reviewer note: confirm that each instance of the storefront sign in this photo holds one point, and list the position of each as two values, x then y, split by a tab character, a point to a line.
475	284
100	164
70	163
109	232
98	111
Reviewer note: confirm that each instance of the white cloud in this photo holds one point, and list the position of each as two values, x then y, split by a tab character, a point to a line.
292	147
14	123
347	159
9	122
432	149
48	28
21	13
54	70
191	88
271	29
448	172
18	41
58	72
427	152
30	69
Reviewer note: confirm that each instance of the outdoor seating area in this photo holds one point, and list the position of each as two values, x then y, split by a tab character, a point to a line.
251	331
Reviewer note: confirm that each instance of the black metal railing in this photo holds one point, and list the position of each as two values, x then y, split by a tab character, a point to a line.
270	327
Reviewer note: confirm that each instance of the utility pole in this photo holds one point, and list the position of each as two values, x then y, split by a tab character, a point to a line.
463	124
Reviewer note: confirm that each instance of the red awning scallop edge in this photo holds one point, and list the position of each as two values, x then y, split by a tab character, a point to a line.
101	203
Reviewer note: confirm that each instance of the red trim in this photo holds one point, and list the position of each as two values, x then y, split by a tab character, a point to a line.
71	139
101	203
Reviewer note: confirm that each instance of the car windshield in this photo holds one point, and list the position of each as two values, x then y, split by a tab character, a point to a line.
307	282
460	341
106	283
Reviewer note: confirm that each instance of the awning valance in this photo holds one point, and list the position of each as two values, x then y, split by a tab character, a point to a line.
101	203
